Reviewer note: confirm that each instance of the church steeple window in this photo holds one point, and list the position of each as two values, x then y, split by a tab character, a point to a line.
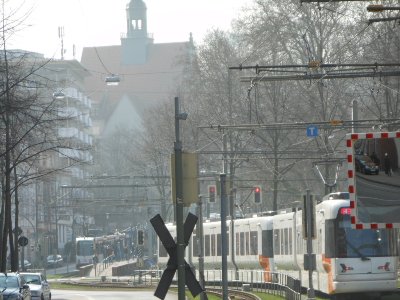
137	24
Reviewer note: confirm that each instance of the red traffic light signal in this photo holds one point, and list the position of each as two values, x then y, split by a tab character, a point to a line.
212	190
257	194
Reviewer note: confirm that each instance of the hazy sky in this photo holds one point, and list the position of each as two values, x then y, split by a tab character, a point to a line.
101	22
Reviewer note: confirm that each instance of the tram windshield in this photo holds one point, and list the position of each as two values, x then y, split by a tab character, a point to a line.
344	242
84	248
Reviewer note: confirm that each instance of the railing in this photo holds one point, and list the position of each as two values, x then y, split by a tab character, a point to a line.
104	264
260	281
267	282
108	261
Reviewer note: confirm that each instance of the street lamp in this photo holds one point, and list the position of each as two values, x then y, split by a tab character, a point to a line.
179	202
113	79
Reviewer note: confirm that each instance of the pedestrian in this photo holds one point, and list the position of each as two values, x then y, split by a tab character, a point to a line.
126	253
388	170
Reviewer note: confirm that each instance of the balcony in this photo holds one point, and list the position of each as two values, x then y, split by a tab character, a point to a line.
68	112
75	133
70	153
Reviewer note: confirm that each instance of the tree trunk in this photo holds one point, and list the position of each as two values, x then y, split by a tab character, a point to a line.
16	222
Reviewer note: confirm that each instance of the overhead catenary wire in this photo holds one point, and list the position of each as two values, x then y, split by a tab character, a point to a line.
300	125
318	78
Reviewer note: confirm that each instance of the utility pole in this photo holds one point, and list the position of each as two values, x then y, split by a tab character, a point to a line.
354	115
200	246
179	202
310	255
224	238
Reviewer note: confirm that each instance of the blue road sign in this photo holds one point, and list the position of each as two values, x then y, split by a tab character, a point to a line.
312	131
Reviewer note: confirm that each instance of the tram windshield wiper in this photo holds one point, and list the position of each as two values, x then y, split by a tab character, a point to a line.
362	256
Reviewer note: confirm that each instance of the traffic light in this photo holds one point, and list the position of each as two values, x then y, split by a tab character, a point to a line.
212	190
257	194
140	237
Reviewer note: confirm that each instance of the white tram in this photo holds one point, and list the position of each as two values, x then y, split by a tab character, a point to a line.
348	261
88	247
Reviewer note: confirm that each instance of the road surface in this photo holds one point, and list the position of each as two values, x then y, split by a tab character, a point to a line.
109	295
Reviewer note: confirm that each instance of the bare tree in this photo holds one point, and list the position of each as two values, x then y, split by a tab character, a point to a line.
286	33
29	119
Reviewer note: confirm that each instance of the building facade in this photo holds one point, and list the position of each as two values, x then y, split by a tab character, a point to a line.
51	203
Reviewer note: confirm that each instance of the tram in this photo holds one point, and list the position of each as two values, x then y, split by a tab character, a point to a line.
348	261
100	247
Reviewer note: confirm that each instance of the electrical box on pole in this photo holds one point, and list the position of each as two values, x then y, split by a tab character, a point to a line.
308	213
228	187
190	178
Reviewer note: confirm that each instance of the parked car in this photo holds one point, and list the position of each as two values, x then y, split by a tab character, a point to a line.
40	288
14	287
55	260
365	165
27	264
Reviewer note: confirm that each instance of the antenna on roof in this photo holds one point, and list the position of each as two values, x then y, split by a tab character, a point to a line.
61	37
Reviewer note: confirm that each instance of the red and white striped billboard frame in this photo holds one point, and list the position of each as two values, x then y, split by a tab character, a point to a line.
350	138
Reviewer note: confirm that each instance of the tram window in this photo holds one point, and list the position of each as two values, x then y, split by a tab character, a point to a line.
254	242
207	245
276	242
219	244
319	242
237	243
330	245
195	245
290	245
267	243
161	250
286	233
242	241
247	243
213	245
299	242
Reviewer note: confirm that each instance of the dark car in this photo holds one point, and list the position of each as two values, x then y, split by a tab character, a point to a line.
55	260
14	287
40	288
365	165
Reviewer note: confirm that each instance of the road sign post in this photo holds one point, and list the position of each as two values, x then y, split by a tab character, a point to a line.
224	238
310	264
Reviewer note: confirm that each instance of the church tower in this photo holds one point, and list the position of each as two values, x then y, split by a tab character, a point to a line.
134	45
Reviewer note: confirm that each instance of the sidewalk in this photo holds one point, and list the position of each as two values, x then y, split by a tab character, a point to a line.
393	180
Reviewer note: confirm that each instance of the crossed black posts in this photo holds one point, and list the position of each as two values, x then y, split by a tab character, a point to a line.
172	265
